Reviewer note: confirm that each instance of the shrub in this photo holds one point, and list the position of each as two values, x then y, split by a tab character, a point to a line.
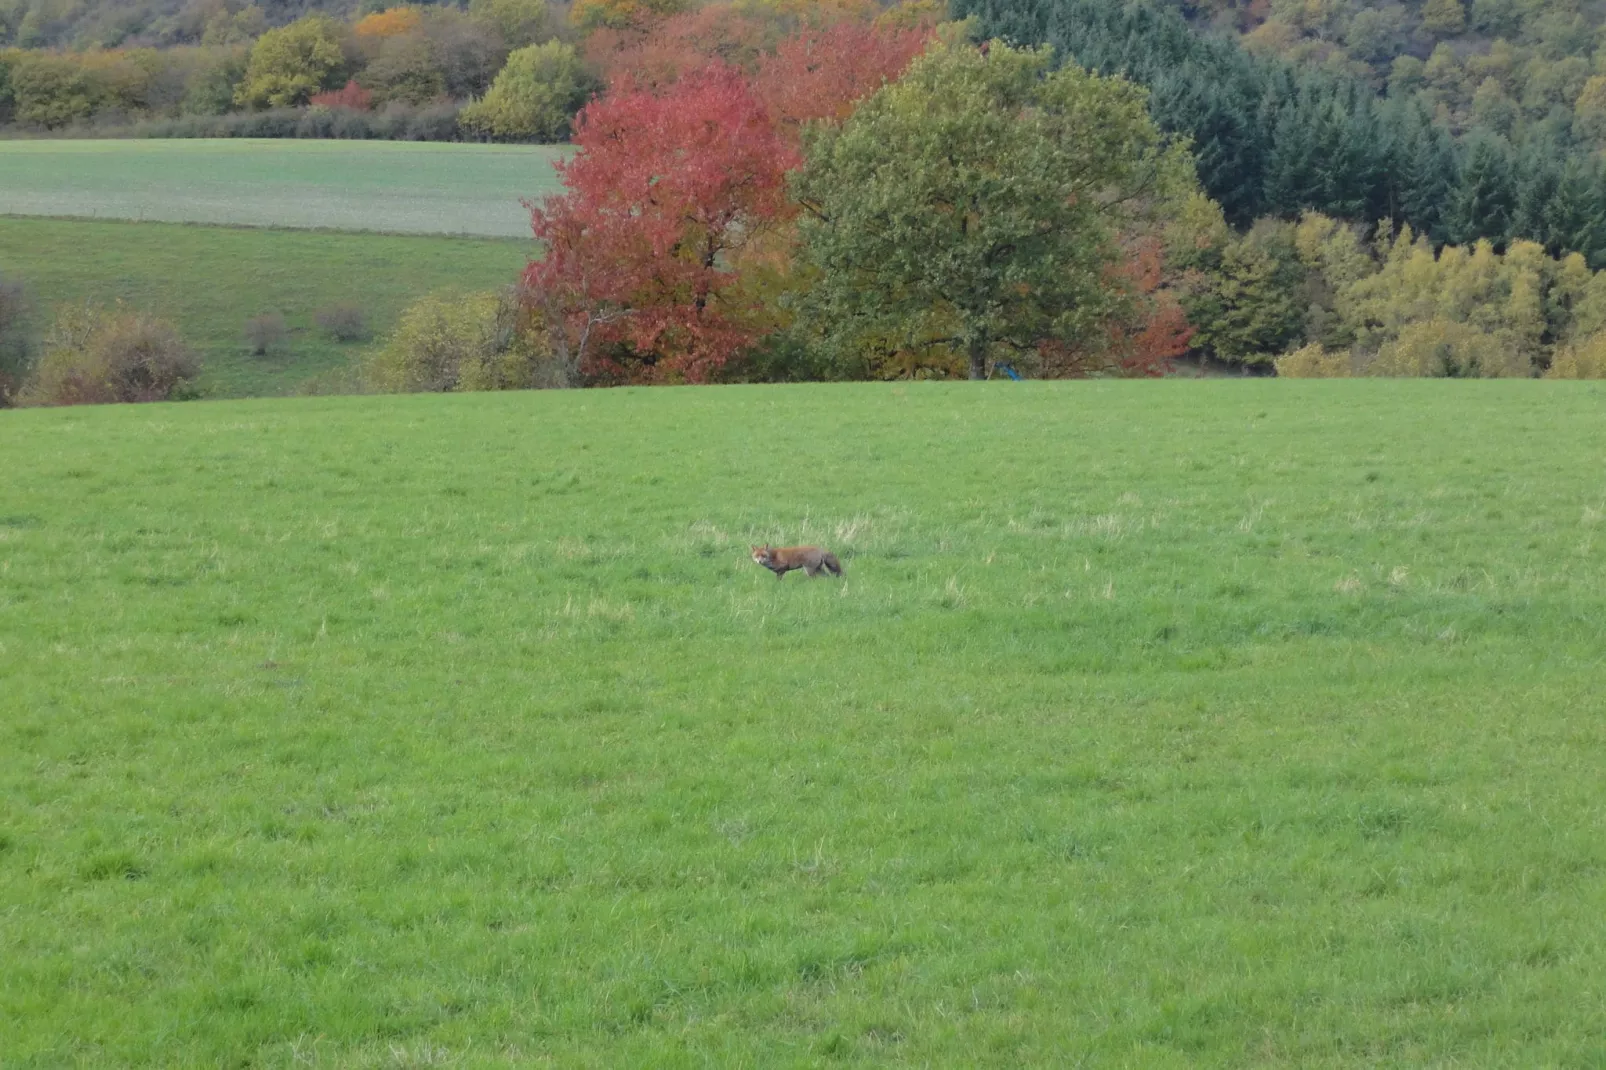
1314	362
395	122
344	322
265	332
1585	359
1440	348
96	356
15	352
476	342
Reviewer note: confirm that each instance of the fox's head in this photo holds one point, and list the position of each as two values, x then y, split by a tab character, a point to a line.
763	554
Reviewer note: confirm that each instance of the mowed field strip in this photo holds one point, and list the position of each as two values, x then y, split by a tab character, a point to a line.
1165	724
209	280
395	187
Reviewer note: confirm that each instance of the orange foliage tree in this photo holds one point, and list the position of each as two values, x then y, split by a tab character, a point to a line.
391	22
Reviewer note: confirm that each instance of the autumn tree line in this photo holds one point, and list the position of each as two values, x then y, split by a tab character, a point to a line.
846	190
891	200
510	70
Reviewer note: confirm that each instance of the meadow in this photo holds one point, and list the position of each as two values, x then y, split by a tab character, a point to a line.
386	186
1243	723
209	280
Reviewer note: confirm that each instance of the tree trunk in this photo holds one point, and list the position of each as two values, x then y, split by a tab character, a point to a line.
978	356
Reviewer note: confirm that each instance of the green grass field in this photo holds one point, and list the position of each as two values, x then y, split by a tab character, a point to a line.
388	186
210	280
1154	724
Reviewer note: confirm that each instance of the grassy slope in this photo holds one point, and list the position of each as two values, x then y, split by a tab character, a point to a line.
1163	724
402	187
210	280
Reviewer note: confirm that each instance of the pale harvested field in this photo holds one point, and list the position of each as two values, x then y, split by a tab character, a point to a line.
399	187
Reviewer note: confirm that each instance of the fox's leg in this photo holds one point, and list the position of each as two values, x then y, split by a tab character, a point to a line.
813	571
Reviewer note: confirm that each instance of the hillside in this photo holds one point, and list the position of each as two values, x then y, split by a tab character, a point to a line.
1275	135
1187	724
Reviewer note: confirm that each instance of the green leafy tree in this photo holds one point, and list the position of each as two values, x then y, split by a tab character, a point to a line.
210	87
405	68
1251	308
974	205
469	52
8	99
1492	109
53	90
518	22
289	65
1444	18
237	28
533	98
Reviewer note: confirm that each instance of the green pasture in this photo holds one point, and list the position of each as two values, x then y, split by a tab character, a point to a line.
209	280
390	186
1166	724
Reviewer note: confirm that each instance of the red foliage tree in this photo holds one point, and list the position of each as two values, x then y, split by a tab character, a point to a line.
352	97
637	283
821	73
658	55
678	188
795	59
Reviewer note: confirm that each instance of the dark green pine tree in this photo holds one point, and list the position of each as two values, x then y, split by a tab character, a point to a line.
1486	197
1347	148
1294	175
1225	141
1538	181
1579	211
1428	176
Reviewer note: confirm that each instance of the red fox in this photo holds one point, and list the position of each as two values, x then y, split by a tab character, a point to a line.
783	559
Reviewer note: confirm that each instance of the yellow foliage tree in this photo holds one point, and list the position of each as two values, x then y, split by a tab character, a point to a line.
290	64
1589	110
1584	360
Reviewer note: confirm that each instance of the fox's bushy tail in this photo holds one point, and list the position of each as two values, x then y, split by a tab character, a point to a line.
832	565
